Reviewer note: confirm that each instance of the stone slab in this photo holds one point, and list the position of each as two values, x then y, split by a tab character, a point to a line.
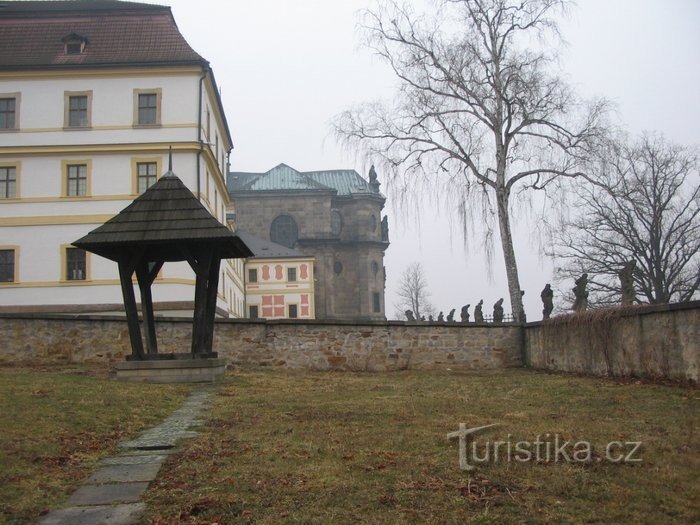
127	514
108	494
134	459
126	473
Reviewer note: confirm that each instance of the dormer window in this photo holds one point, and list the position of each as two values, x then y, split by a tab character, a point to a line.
74	44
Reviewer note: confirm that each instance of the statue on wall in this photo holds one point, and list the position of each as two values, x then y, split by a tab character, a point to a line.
409	315
581	294
441	318
373	182
547	295
430	319
451	316
385	228
464	314
498	311
627	283
478	312
422	318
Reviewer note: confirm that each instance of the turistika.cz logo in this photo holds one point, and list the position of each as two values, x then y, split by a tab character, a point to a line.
548	448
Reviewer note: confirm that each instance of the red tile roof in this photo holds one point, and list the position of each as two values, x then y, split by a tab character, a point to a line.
117	34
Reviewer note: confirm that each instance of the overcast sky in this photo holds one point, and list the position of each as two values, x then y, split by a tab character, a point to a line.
286	67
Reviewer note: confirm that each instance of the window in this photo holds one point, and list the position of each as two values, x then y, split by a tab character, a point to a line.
291	275
336	222
7	266
372	223
8	182
146	175
9	111
76	264
147	103
147	108
208	124
337	267
74	44
292	311
78	111
252	276
253	311
375	267
76	180
284	231
376	302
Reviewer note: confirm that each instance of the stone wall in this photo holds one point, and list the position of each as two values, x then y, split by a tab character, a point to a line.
321	345
661	341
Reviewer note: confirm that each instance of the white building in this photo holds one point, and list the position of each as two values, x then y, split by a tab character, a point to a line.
92	95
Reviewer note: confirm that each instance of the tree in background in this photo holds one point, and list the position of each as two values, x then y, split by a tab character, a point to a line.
479	112
641	203
413	293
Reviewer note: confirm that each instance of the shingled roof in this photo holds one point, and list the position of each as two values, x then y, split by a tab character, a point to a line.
164	218
117	33
264	249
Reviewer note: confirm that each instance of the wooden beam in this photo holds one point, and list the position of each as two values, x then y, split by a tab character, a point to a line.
144	278
200	302
213	285
132	317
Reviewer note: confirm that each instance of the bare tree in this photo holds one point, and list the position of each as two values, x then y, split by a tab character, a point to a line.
477	112
413	293
641	204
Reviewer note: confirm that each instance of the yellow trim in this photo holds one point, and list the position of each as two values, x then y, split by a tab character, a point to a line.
64	264
107	128
49	220
158	92
66	109
153	147
107	72
98	282
95	198
18	169
135	161
18	99
15	277
64	177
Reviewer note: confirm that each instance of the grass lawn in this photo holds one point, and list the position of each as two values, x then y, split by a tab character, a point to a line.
56	424
315	447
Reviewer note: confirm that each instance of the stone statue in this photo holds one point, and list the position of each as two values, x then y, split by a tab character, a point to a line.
373	182
385	228
478	312
546	295
409	315
422	318
441	318
430	319
451	316
498	311
581	294
627	283
464	314
521	315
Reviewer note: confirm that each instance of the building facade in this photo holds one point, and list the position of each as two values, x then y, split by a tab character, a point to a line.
333	216
92	97
279	281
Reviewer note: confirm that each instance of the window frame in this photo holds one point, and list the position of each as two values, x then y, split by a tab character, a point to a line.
250	311
65	262
291	274
147	176
135	161
65	165
17	98
15	263
16	167
252	272
275	226
289	311
67	96
376	303
158	92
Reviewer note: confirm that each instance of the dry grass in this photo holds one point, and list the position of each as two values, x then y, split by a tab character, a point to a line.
56	424
315	447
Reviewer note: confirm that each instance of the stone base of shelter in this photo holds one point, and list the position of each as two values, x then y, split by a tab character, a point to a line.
173	370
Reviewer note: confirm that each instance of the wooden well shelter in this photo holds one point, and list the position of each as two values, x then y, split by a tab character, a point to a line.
166	223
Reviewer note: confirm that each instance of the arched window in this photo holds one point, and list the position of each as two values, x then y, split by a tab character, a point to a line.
284	231
336	222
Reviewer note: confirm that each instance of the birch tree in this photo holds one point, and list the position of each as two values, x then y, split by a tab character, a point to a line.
479	111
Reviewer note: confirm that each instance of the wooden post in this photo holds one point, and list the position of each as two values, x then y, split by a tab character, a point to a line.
145	276
126	270
200	302
213	285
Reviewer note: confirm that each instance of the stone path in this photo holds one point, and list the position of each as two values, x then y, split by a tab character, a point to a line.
111	495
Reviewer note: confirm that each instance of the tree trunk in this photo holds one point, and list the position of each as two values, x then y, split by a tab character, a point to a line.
516	300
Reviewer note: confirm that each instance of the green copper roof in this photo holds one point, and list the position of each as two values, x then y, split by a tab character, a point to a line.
285	178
